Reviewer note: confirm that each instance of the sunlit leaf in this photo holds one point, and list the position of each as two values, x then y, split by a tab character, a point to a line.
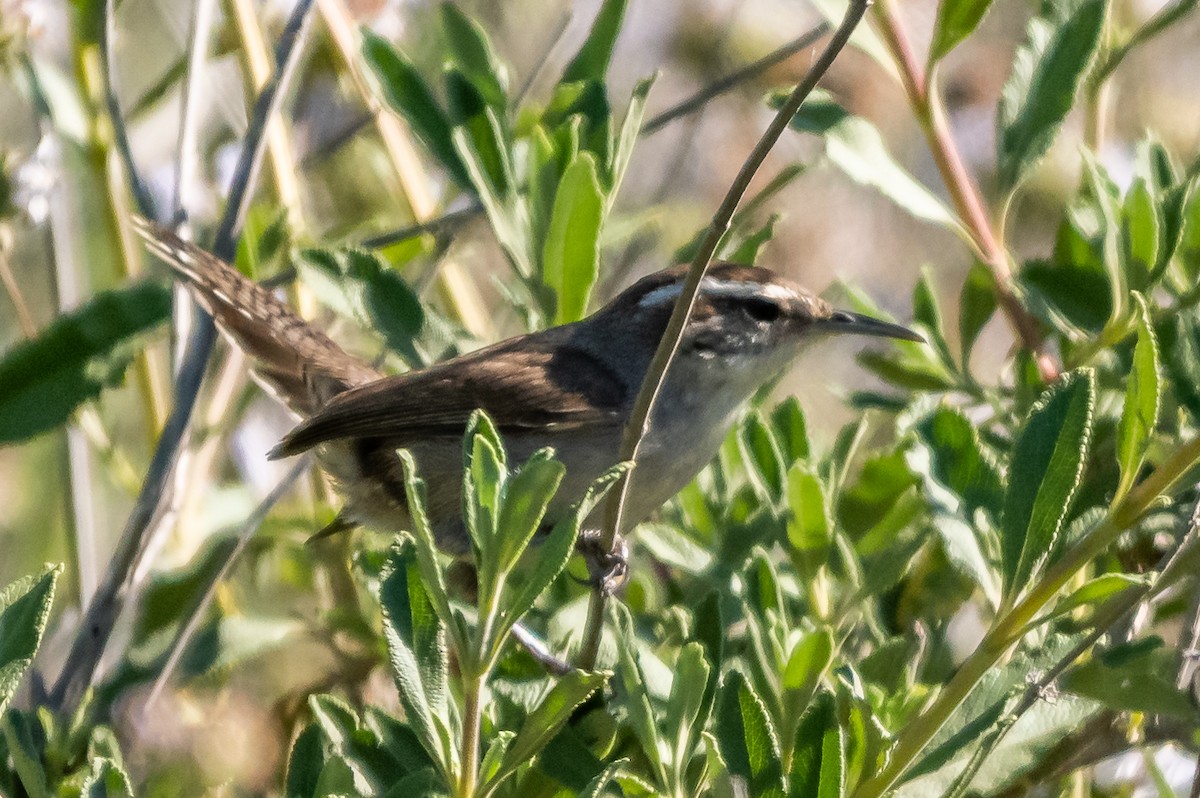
544	722
591	62
1143	392
746	738
1049	66
469	49
956	20
571	256
809	528
1047	465
1141	234
408	94
976	305
24	610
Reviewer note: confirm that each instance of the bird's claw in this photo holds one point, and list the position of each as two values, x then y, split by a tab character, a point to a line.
608	569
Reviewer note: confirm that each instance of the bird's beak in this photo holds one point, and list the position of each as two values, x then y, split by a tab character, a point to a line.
843	321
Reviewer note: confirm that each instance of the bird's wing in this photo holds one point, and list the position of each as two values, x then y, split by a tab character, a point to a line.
531	383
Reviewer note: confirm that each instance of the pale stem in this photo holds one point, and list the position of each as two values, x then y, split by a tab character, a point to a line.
638	423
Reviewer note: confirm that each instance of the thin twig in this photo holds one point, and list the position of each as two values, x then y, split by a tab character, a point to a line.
734	79
643	408
187	152
24	317
108	601
141	194
448	222
189	628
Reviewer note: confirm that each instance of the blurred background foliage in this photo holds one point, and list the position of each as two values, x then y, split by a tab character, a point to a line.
872	526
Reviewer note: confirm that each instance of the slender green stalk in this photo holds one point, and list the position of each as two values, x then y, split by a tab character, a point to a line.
472	716
639	420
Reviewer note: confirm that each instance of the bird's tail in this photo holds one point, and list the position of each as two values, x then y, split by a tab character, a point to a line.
294	361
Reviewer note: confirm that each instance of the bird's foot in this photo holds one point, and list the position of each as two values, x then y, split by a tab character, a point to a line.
608	570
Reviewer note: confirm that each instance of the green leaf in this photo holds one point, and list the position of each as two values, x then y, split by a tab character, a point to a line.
1141	234
905	367
544	722
1048	69
1106	201
884	480
571	255
927	313
764	461
961	545
958	461
486	162
1046	468
483	485
416	647
469	49
976	305
357	284
746	739
747	250
1143	394
631	127
106	779
1134	677
1180	346
683	722
26	750
24	610
631	695
389	305
986	704
45	379
855	146
1078	293
409	95
591	62
595	787
809	528
1096	591
956	20
556	550
527	494
305	763
791	430
819	753
810	658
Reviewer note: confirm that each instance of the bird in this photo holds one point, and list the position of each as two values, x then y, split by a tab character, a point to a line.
571	387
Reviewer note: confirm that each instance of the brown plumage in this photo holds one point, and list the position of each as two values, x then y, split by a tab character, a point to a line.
568	387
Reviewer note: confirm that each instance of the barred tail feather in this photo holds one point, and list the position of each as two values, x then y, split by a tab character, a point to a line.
294	361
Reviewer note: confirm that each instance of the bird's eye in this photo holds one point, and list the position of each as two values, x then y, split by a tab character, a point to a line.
764	310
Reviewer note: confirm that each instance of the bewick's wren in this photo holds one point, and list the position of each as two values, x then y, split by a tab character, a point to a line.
570	387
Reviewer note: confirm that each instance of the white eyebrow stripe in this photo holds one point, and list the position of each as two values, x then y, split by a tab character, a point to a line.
714	287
